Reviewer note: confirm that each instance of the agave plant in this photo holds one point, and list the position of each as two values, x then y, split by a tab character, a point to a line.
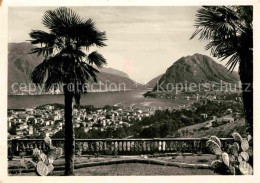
236	161
43	162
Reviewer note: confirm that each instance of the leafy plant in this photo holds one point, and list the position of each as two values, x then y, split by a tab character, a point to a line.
238	158
43	162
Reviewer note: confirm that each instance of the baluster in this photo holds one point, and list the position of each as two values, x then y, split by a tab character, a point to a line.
113	147
17	147
93	146
117	146
22	149
159	145
152	146
97	146
86	147
136	146
131	146
163	146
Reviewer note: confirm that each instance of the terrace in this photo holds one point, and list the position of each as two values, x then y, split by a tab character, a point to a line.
92	154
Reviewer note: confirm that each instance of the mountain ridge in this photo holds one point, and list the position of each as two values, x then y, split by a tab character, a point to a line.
21	64
110	70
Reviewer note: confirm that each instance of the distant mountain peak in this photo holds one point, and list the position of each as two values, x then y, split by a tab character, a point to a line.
197	68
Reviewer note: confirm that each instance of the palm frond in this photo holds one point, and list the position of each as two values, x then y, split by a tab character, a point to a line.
61	21
42	37
46	40
72	52
88	35
45	51
96	59
227	29
212	22
233	62
51	71
92	72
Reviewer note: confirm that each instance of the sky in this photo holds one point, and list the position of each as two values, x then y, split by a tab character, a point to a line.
142	41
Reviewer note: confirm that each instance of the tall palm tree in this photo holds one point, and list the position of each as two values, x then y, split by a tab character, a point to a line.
229	30
67	62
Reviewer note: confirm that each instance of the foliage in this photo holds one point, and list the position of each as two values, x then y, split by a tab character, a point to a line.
237	160
227	28
229	31
65	50
162	123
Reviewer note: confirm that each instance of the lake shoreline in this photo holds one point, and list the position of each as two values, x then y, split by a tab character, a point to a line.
128	98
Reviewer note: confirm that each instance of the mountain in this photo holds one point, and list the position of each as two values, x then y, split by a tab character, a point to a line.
152	83
21	64
197	69
110	70
113	81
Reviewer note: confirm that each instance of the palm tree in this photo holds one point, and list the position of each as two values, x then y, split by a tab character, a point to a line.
67	62
229	31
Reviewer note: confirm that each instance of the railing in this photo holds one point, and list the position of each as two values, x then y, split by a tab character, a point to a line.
119	146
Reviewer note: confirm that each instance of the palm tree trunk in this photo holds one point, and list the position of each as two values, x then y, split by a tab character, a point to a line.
246	76
69	132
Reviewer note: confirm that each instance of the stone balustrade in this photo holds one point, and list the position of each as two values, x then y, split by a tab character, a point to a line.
119	146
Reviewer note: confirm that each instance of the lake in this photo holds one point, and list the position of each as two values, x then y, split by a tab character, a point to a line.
124	98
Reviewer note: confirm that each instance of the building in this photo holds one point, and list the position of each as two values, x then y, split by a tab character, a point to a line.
204	115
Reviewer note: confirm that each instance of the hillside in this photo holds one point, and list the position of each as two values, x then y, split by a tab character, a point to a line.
225	130
152	83
110	70
112	79
21	64
197	69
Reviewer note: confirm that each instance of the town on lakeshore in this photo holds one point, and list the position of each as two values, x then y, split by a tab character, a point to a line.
47	120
